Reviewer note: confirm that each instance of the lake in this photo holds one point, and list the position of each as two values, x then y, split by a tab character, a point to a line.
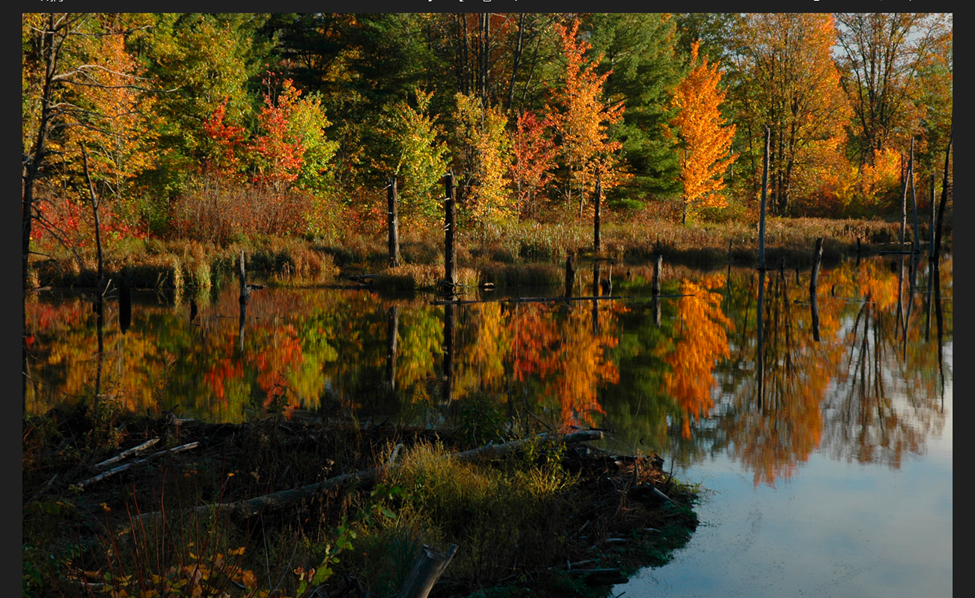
819	425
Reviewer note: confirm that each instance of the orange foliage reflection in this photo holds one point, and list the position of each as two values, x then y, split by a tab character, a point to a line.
701	341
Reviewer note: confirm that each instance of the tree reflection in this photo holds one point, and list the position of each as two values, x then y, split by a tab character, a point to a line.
701	341
874	417
685	373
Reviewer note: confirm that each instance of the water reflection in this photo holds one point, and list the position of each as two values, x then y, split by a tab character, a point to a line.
743	362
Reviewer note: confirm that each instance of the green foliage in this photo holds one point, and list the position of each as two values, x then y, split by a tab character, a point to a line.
639	49
181	56
367	517
308	124
418	159
482	420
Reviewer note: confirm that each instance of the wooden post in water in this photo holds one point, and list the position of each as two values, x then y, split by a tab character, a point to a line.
817	258
814	308
595	218
245	291
392	218
449	314
124	304
657	267
570	275
245	295
761	218
450	259
595	294
904	176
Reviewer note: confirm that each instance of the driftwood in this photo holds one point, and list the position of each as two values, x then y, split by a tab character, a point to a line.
427	569
122	468
136	449
284	499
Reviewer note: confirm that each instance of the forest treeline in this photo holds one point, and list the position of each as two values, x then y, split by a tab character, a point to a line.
212	126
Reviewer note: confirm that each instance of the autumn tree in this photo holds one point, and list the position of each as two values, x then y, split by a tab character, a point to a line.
883	56
225	159
786	78
484	155
705	138
533	154
582	118
417	156
279	152
203	61
82	88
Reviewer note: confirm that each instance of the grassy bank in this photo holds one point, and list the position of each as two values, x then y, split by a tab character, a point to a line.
522	253
518	519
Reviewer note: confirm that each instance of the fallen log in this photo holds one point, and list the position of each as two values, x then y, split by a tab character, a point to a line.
122	468
126	453
284	499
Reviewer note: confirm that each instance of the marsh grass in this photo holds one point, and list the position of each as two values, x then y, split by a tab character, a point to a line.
520	253
503	515
415	277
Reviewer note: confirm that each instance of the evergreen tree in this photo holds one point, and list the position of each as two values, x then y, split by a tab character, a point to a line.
639	49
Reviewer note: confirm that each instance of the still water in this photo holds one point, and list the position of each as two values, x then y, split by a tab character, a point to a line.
820	424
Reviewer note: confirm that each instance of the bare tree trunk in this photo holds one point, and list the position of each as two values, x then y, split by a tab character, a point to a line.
570	275
761	218
392	329
904	176
910	177
98	228
944	198
519	49
817	258
657	267
392	218
934	211
760	349
427	569
450	259
595	219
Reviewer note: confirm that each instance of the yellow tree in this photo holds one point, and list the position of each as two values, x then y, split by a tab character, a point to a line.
582	117
485	157
789	81
705	137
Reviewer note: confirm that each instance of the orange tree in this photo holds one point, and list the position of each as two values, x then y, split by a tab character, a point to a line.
582	118
704	136
788	81
533	153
